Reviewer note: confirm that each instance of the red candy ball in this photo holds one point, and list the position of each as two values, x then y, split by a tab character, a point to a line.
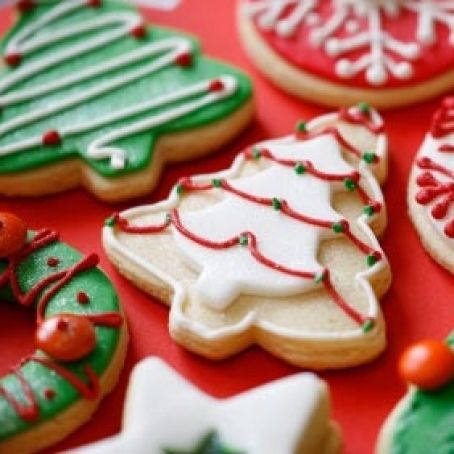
428	364
13	234
66	337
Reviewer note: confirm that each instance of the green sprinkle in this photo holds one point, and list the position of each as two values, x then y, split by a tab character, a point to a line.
217	182
300	168
370	158
368	325
180	189
371	260
364	107
337	227
168	218
110	221
243	240
277	205
368	210
350	184
301	126
319	277
256	153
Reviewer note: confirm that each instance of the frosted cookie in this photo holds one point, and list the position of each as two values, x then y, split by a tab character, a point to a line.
278	250
423	420
164	413
92	95
80	337
431	187
339	52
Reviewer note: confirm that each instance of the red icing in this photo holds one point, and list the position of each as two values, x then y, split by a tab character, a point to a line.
184	59
53	262
82	298
51	138
25	5
139	31
13	59
300	51
362	118
216	85
443	119
28	409
433	189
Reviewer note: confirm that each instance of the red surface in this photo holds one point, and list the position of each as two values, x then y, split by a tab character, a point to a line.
418	305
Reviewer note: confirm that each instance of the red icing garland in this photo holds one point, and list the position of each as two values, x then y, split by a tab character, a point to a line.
361	117
29	411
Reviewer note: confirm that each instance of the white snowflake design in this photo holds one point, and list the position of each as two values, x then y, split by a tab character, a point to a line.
379	46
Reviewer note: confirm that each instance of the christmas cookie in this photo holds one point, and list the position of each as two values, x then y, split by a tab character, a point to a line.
431	187
338	52
279	250
93	96
423	420
80	337
164	413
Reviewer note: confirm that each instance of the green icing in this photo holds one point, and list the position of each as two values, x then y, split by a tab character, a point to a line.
209	444
426	424
139	147
103	298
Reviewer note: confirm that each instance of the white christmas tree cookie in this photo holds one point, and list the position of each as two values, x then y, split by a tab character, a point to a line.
166	414
279	250
337	52
431	187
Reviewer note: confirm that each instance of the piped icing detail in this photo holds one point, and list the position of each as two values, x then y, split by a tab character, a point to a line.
358	37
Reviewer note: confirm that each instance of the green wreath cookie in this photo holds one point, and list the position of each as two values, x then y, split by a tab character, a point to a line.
80	337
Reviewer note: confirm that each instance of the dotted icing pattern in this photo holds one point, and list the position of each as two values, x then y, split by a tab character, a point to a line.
54	278
134	82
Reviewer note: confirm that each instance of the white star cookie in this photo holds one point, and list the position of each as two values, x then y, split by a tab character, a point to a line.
166	414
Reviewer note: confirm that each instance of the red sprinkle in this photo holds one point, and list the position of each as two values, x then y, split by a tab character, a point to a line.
51	138
53	262
13	59
83	298
184	59
49	394
25	5
94	3
216	85
138	32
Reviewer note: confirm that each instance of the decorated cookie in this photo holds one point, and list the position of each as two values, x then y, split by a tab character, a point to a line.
338	52
80	337
278	250
431	187
91	95
423	420
166	414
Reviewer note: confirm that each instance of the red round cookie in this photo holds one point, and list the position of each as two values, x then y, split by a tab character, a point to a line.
386	52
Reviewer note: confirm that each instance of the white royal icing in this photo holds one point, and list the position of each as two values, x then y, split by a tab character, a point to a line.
28	40
228	273
163	410
377	46
429	149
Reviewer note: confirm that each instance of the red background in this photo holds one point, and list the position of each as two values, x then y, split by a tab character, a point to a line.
419	303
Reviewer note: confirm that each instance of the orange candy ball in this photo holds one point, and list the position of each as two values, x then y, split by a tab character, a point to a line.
428	364
13	234
66	337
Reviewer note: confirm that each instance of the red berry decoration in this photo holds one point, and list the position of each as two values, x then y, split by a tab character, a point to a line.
25	5
138	32
184	59
94	3
216	85
66	337
13	234
51	138
428	364
13	59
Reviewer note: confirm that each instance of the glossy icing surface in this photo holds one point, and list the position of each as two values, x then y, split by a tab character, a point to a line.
20	148
41	379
